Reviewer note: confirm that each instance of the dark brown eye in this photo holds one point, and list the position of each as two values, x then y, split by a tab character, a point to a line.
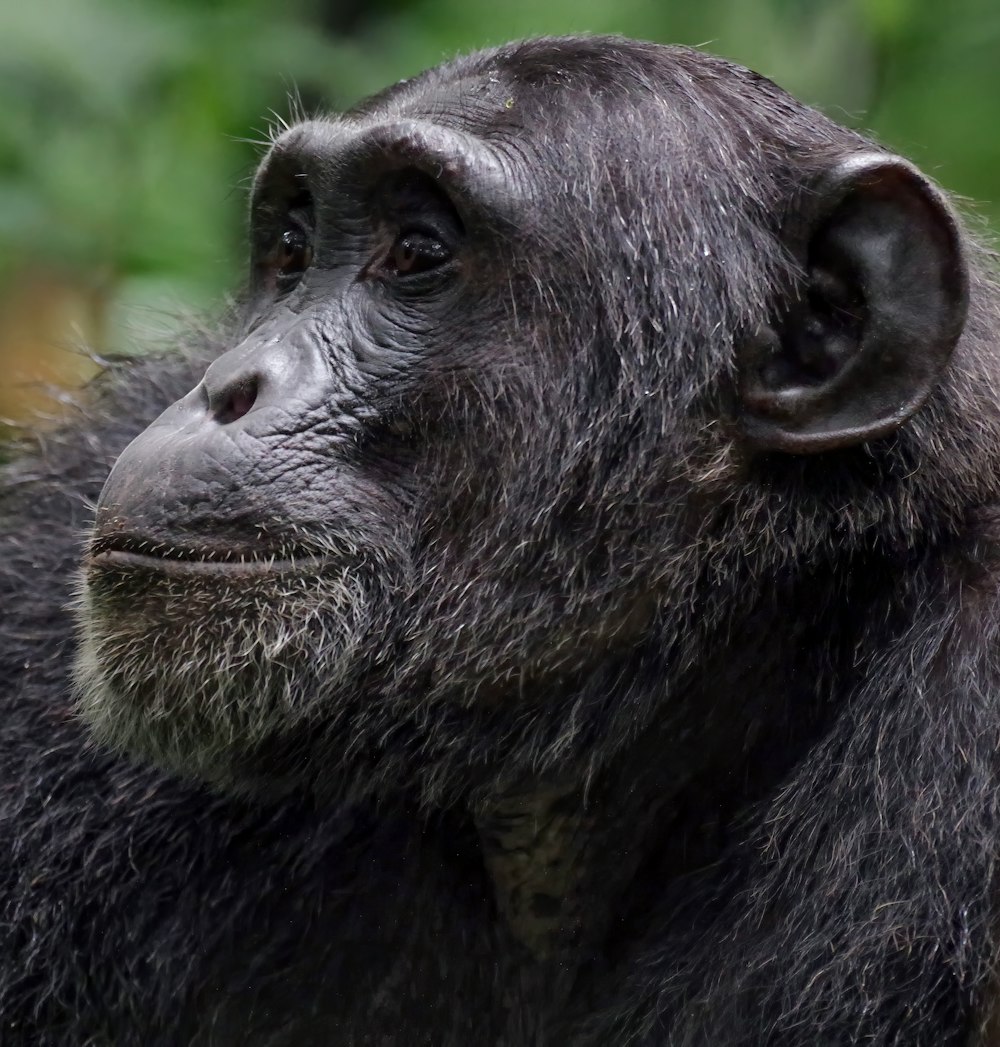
292	255
415	252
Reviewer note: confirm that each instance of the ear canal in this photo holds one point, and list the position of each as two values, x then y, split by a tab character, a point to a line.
882	307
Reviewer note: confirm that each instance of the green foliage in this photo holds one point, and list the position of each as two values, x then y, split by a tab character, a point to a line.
120	139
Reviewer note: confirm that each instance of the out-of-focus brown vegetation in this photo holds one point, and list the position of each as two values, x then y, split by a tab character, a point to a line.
46	323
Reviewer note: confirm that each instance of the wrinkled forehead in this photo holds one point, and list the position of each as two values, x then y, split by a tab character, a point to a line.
489	134
483	103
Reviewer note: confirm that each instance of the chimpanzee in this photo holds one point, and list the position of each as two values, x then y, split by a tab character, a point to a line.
560	608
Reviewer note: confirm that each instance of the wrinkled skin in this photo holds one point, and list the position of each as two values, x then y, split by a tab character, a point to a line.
558	609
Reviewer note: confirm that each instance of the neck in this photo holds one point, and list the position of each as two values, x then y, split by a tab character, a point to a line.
569	853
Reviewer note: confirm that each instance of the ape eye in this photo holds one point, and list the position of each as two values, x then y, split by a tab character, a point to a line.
415	252
291	257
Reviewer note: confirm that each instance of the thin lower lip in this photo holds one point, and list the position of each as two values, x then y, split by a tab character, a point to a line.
120	560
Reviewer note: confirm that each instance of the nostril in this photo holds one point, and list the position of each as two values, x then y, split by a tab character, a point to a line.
236	401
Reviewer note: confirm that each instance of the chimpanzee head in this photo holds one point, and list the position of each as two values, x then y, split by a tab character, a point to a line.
537	347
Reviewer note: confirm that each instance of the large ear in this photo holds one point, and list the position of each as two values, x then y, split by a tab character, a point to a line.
882	307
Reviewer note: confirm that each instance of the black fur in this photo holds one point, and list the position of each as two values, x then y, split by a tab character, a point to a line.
740	710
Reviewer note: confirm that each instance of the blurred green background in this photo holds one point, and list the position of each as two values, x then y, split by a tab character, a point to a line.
129	128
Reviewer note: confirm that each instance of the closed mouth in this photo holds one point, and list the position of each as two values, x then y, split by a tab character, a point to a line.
122	554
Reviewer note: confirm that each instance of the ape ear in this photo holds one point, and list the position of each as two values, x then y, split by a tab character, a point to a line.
882	307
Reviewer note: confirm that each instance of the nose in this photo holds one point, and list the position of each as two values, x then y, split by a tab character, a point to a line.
199	453
239	381
250	378
232	401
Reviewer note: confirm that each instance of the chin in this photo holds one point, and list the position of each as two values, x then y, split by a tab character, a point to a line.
236	678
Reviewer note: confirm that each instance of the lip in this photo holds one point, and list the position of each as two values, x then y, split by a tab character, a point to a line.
248	567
